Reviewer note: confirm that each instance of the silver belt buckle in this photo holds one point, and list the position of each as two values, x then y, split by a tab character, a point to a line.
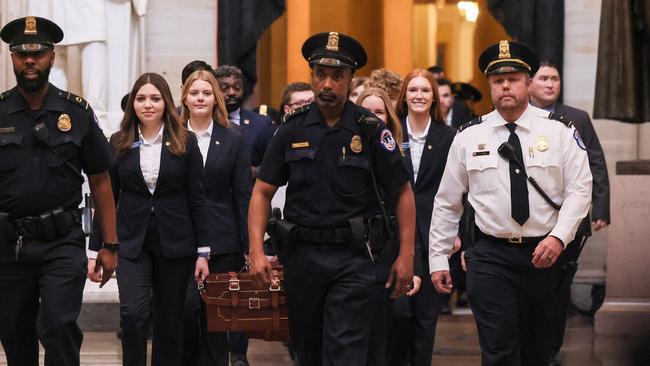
517	240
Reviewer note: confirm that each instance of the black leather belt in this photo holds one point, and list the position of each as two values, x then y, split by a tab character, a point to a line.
511	241
335	235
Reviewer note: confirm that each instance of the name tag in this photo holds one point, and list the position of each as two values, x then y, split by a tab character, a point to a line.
298	145
480	153
7	129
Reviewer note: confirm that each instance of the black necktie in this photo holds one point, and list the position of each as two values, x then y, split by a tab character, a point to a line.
518	188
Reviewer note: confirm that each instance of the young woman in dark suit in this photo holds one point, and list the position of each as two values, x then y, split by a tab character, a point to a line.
425	147
161	221
228	188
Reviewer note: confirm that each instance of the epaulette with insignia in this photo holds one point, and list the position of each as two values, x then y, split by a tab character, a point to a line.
295	112
475	121
365	116
560	118
75	99
6	94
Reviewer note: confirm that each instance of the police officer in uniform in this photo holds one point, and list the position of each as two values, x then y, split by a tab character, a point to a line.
515	264
328	153
47	136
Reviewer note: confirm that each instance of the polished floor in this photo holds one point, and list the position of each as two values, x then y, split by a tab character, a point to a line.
456	345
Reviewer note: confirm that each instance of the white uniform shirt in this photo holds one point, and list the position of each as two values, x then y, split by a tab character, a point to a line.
203	139
150	159
416	146
552	157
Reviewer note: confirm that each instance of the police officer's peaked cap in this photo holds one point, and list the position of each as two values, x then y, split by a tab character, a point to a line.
508	56
334	49
31	34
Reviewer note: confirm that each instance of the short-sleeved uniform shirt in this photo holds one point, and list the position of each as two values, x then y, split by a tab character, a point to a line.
33	180
328	169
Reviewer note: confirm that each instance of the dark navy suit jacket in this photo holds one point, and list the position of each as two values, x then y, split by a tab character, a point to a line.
597	164
257	131
178	202
228	190
432	165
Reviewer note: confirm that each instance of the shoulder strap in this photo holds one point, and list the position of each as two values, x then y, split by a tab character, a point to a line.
75	99
474	122
6	94
560	118
298	111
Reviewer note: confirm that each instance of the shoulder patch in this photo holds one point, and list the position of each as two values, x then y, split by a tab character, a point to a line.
474	122
74	99
581	144
560	118
6	94
296	112
387	141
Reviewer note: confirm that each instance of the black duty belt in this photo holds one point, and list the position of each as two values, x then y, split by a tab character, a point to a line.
48	226
335	235
510	241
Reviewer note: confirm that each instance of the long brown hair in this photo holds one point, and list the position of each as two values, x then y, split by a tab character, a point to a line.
173	129
402	107
392	122
219	111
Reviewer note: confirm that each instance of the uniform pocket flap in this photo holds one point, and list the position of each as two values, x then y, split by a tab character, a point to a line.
297	154
544	160
482	162
14	138
355	161
56	140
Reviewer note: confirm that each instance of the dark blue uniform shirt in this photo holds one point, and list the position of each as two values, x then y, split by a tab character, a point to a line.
328	168
32	179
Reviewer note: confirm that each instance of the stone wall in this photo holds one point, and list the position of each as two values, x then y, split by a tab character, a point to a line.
620	141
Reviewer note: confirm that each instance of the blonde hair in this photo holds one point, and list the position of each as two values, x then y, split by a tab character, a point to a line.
219	111
392	122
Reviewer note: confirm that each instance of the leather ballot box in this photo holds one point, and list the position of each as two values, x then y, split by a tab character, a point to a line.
233	303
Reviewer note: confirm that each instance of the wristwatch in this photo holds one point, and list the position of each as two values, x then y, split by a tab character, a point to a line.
113	247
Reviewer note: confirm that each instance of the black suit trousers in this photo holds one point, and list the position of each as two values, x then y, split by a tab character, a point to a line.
201	347
40	299
512	302
137	279
413	328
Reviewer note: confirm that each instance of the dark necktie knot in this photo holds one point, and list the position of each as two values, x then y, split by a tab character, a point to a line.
511	127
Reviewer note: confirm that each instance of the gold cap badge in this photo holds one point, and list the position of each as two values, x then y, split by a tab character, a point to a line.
541	143
30	26
355	144
504	49
333	42
64	124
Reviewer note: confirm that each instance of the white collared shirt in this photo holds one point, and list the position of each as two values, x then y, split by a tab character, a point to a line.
552	156
448	118
203	139
235	116
416	146
150	158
